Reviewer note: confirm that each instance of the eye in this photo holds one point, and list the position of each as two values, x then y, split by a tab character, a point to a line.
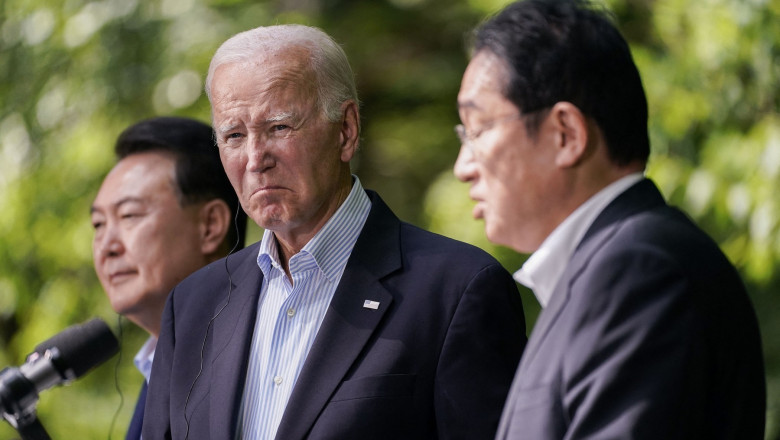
97	220
280	127
231	139
130	216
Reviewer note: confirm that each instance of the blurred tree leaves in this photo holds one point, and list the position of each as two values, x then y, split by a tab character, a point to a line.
74	73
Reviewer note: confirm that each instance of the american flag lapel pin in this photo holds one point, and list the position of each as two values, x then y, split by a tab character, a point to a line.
368	304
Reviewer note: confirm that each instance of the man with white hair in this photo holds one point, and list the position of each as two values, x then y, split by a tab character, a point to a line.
342	322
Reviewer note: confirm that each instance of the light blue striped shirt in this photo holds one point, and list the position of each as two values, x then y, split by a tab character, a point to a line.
289	314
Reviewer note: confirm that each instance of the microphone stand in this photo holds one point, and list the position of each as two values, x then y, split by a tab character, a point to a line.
18	397
33	430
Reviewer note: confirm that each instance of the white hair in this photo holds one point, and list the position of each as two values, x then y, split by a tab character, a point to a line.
334	77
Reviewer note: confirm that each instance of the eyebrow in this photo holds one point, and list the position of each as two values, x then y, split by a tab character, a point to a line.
226	128
93	209
274	118
467	104
280	117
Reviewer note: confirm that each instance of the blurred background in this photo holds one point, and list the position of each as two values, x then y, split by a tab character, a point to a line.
74	73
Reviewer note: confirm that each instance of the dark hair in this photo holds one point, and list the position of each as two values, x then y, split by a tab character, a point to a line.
569	50
199	173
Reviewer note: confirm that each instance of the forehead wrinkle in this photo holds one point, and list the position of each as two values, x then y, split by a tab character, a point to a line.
281	116
282	75
272	83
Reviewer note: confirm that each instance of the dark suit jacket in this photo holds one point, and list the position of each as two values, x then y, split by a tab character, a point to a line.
649	335
436	358
134	430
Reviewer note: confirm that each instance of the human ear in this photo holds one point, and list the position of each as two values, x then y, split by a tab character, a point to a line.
215	219
350	130
571	134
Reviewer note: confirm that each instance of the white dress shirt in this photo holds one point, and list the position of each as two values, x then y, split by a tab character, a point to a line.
289	314
145	356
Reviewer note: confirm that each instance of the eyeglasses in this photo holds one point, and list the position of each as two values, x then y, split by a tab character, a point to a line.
467	138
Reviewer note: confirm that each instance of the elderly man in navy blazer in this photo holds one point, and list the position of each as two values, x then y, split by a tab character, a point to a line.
343	322
647	331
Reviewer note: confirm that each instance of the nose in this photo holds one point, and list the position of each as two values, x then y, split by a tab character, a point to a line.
465	166
258	154
108	242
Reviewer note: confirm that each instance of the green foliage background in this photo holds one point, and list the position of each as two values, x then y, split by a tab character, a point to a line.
74	73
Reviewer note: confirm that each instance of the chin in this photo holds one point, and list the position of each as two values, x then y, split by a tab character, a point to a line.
493	234
497	235
269	218
120	308
121	304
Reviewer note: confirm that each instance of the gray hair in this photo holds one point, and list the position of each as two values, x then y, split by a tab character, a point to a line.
335	80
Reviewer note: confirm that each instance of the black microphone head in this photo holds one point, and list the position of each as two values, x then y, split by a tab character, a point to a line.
81	347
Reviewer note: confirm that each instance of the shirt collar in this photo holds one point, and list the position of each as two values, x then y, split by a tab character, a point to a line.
145	356
543	269
340	232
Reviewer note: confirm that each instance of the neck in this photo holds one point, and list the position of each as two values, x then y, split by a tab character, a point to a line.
291	241
148	323
572	190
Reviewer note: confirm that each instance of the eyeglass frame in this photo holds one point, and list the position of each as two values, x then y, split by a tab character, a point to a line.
467	138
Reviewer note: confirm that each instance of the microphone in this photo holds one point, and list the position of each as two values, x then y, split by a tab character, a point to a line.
59	360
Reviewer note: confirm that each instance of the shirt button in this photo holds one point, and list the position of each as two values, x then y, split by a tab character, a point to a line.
290	313
278	380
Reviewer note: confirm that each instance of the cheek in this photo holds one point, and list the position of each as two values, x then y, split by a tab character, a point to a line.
98	263
146	244
500	208
96	255
314	172
508	181
234	165
163	265
501	178
235	175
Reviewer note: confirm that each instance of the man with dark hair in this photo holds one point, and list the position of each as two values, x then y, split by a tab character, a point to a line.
343	322
165	209
646	329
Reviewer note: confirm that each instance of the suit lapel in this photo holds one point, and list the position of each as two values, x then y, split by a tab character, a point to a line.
234	328
347	325
545	321
134	430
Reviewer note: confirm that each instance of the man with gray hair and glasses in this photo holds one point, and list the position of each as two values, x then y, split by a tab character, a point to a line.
342	322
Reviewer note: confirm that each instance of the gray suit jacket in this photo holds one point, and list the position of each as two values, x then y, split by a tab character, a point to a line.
649	335
434	360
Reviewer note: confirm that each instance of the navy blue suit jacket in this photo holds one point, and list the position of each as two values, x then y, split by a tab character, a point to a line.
136	423
648	335
435	360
